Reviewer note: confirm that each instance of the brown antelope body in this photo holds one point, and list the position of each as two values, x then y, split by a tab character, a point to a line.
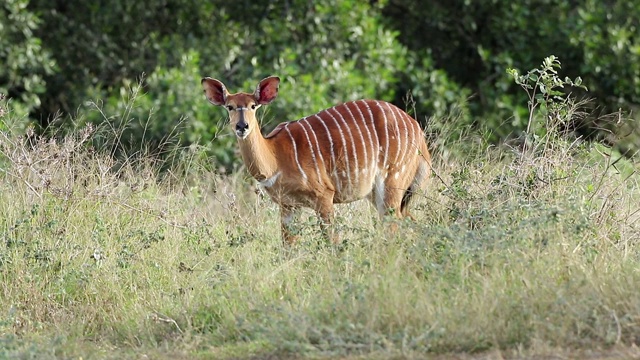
358	149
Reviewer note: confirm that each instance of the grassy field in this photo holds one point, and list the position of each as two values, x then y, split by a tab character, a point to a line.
510	256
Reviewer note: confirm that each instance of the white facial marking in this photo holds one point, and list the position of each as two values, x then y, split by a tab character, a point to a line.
240	134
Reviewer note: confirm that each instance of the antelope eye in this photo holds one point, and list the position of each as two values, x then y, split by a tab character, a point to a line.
229	107
254	106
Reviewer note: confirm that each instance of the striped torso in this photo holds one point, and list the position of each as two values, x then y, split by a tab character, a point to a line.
347	148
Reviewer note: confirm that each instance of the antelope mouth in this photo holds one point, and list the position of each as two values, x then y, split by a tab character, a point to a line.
242	134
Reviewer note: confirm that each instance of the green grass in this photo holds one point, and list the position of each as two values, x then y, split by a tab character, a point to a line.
509	256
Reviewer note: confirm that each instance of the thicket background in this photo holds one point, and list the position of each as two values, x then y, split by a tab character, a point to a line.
73	61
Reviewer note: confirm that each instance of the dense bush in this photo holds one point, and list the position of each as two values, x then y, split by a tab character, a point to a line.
326	52
474	41
23	60
438	59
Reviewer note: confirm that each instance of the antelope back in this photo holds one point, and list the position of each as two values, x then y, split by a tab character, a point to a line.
351	146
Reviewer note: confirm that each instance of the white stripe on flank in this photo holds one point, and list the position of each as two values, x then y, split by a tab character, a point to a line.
295	152
410	145
353	144
397	137
414	141
315	138
344	148
313	152
402	121
333	155
364	148
386	131
375	154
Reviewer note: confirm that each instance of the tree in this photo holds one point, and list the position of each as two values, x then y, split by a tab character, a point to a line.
23	61
474	41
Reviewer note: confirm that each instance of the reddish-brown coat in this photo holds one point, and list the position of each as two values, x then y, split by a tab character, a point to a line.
358	149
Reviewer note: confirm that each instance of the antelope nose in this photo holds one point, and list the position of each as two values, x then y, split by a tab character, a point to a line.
242	129
242	126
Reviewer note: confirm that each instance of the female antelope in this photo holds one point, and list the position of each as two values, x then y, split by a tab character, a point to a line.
358	149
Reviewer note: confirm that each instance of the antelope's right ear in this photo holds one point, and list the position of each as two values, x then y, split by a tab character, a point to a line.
215	91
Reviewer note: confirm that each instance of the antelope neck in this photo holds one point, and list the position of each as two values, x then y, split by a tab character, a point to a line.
258	154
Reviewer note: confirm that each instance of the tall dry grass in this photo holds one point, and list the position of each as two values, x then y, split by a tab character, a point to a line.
112	258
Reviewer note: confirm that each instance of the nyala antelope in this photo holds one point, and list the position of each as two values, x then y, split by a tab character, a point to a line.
357	149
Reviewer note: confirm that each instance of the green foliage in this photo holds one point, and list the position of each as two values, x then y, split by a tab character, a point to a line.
23	60
103	46
542	86
605	32
158	114
441	60
327	52
473	41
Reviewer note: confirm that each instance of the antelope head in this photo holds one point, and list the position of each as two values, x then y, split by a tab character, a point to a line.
242	106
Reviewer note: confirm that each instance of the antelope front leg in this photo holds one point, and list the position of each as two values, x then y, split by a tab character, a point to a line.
325	212
287	217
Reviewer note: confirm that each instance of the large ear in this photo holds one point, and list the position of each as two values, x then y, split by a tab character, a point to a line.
215	91
267	90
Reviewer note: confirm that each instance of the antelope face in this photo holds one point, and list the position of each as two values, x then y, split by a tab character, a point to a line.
242	114
241	106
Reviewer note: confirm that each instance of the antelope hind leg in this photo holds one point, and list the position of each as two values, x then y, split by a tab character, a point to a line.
287	218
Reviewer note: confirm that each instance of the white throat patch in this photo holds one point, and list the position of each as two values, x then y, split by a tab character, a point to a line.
267	183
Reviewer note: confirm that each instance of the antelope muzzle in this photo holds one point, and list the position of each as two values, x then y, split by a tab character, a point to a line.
242	127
